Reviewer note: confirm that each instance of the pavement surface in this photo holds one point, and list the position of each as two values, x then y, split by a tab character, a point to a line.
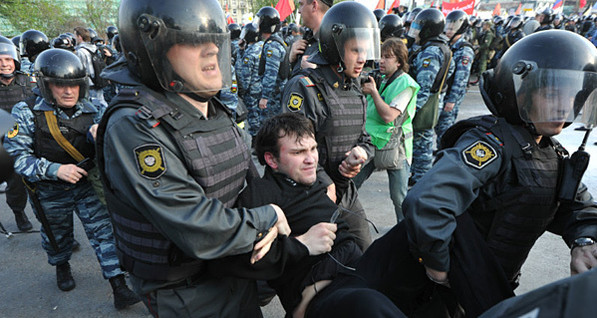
28	283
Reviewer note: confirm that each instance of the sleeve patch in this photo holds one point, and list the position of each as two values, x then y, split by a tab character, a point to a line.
305	80
295	102
14	131
465	61
246	60
479	154
426	62
269	53
150	161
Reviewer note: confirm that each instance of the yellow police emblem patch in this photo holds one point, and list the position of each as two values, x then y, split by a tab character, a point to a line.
14	131
479	154
295	102
150	161
320	97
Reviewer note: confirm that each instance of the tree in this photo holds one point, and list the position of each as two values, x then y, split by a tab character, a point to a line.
100	14
43	15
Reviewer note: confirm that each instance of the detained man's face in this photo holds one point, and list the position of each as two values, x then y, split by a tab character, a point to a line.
355	55
297	159
66	96
388	64
198	66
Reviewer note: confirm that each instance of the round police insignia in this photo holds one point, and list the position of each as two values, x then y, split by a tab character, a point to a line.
150	161
465	61
295	102
14	131
479	154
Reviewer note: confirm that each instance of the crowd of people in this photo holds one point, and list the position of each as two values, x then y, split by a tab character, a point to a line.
149	137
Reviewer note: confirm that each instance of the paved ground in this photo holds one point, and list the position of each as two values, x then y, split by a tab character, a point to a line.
28	285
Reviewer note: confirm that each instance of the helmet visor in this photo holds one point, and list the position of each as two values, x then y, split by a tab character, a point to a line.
553	95
364	41
452	27
190	62
414	30
10	50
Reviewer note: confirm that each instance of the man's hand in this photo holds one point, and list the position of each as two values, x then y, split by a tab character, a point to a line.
263	246
305	64
298	47
448	107
331	192
320	238
263	103
93	131
351	165
70	173
308	294
583	259
369	87
437	276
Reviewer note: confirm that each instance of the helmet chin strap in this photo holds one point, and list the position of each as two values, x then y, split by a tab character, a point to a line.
7	76
198	98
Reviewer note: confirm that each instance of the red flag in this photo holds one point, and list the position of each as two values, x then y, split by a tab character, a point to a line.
285	8
432	3
467	6
381	4
498	8
519	9
229	19
396	4
582	4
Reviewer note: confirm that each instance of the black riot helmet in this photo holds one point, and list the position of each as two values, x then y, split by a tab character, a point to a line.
548	16
59	67
111	32
8	48
547	76
32	43
234	30
379	13
250	33
391	26
150	28
92	33
63	42
428	23
267	20
116	43
410	16
17	42
292	27
456	23
515	23
346	21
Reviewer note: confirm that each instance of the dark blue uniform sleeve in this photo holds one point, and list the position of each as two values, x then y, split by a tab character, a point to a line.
445	192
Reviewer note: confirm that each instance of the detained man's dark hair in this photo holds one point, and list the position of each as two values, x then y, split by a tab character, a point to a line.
278	127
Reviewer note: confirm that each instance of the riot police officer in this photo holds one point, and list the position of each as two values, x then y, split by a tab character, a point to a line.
331	98
247	73
463	55
54	155
391	26
430	64
235	31
546	18
173	162
31	43
14	87
272	68
497	185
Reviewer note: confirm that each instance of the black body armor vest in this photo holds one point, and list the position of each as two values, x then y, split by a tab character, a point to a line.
344	124
517	206
216	157
74	130
18	91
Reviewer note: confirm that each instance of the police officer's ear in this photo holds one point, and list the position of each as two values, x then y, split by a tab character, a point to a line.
271	160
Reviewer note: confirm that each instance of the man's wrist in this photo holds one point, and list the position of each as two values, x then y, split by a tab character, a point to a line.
582	241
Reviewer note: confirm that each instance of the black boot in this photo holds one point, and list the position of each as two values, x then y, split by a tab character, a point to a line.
64	277
123	296
22	221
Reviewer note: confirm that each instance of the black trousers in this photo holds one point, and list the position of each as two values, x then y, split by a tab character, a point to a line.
16	195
